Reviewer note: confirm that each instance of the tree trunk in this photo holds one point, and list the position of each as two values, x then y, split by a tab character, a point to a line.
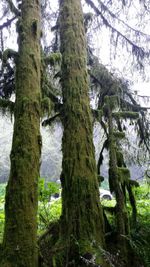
82	233
122	222
20	234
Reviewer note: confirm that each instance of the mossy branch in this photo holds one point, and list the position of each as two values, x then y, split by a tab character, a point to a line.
119	135
133	107
9	53
49	121
126	115
49	93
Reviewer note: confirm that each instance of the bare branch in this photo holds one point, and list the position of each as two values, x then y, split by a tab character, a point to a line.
7	23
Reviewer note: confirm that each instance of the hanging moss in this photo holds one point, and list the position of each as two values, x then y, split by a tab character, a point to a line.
98	114
112	101
53	59
105	110
120	160
123	174
133	204
112	179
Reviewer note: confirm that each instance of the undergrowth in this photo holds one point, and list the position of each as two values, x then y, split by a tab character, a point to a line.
50	211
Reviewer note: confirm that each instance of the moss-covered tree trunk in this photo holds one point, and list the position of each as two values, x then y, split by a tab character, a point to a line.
20	234
82	233
122	221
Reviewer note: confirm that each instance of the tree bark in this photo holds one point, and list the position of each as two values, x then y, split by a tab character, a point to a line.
82	232
20	234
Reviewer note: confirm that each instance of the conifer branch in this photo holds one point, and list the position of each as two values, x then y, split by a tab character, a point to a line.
13	8
50	120
6	105
138	51
105	8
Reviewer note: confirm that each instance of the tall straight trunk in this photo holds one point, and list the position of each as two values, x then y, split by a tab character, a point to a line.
20	234
82	233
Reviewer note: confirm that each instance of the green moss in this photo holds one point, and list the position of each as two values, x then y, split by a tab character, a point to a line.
112	101
123	174
20	233
9	53
119	135
126	115
77	253
99	114
81	223
53	59
120	160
